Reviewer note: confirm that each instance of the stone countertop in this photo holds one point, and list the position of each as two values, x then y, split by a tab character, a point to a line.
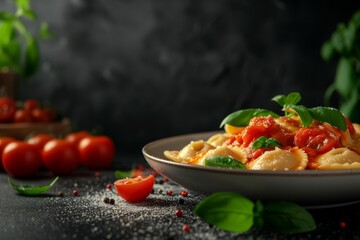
86	216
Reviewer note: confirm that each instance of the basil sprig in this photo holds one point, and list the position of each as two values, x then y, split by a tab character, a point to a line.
264	142
224	162
289	102
291	99
236	213
242	118
123	174
31	190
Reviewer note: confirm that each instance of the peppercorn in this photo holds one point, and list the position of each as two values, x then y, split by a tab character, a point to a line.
98	174
170	193
106	200
109	186
181	201
112	201
186	228
165	179
342	224
184	193
61	194
179	213
76	193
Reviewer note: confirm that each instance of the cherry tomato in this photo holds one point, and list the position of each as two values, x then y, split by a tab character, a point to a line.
31	104
21	159
135	189
76	137
23	115
60	157
317	138
40	140
3	142
43	115
265	126
7	109
96	152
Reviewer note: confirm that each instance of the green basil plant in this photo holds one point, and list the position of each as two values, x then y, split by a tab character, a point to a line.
19	50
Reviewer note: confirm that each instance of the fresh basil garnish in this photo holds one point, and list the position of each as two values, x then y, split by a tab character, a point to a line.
224	162
264	142
123	174
285	217
31	190
236	213
329	115
291	99
242	118
227	211
303	113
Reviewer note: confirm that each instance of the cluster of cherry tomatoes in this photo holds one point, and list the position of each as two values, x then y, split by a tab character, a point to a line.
26	111
59	156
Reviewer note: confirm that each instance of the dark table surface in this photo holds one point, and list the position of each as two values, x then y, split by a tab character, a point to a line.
86	216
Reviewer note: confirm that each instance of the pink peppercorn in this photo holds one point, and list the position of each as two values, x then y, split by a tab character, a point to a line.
186	228
76	193
179	213
170	193
184	193
109	186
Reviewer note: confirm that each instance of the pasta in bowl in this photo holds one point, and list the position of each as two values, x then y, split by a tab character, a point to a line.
320	138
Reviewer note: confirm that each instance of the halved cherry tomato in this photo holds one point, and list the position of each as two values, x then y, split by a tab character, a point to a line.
7	109
135	189
21	159
76	137
267	127
317	138
96	152
3	142
60	157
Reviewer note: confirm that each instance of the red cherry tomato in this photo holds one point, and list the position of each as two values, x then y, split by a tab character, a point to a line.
96	152
3	142
135	189
60	157
7	109
23	115
40	140
43	115
317	138
265	126
31	104
76	137
21	159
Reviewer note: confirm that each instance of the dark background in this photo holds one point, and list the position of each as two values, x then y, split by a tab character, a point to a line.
147	69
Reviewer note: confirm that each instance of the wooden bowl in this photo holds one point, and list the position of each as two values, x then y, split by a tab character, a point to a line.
21	131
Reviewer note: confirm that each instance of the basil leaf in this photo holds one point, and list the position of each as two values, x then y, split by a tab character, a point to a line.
258	215
327	51
224	162
264	142
329	115
285	217
242	118
122	174
291	99
31	190
227	211
303	113
345	78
